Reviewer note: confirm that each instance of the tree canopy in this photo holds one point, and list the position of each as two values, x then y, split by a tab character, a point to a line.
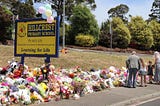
120	33
5	23
83	22
141	34
23	9
10	9
155	11
119	11
155	28
57	5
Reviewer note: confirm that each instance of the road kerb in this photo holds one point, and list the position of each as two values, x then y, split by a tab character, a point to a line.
136	99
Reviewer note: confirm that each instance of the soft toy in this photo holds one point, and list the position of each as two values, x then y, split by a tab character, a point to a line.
20	81
116	83
45	71
19	72
12	65
36	72
9	68
112	69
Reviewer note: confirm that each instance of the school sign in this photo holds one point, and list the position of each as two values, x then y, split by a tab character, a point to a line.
36	37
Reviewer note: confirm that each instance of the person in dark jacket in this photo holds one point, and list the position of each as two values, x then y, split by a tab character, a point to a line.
133	65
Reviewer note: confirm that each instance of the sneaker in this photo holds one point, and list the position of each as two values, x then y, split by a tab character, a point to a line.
140	85
150	82
129	87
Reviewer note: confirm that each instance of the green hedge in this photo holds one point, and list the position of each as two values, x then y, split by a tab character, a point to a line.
84	40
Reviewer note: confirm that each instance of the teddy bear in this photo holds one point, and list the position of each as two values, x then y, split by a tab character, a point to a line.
45	69
9	68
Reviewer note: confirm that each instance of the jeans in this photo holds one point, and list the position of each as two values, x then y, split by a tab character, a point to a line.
132	77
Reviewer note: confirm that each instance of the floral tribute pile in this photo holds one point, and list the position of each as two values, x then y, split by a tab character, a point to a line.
22	84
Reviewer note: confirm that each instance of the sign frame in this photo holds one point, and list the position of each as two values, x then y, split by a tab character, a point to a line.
56	54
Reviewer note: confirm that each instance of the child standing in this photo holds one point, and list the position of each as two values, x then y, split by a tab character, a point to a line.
143	73
150	71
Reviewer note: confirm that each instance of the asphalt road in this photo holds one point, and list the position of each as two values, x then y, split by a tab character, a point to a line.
151	102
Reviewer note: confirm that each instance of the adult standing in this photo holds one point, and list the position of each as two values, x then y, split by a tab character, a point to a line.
157	67
133	65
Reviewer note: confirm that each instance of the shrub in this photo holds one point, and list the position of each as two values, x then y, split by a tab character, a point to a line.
84	40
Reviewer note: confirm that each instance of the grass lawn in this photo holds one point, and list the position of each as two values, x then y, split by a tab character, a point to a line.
86	60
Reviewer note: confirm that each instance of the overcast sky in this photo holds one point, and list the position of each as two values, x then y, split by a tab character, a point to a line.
136	8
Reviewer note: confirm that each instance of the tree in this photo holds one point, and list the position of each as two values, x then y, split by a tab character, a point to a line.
120	33
7	3
16	5
57	5
141	34
155	28
5	23
155	11
9	8
83	22
24	10
119	11
104	37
